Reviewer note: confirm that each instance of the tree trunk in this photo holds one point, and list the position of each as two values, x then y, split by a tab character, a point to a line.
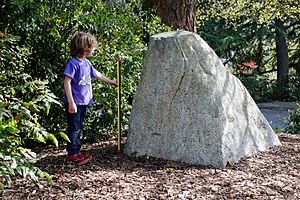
260	55
178	14
282	54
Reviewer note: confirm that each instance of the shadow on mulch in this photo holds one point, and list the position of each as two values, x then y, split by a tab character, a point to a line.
105	157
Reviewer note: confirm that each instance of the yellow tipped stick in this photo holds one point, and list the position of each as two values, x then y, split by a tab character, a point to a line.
119	102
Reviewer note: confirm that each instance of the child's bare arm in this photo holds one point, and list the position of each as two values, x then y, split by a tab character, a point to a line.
67	86
103	78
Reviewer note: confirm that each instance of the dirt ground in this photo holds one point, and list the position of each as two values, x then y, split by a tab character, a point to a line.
274	174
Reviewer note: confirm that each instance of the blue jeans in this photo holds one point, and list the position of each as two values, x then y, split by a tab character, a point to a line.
75	127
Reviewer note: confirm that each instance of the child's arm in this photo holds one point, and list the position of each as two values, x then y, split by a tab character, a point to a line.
67	86
104	79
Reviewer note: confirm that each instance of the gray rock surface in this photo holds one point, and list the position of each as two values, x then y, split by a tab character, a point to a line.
189	108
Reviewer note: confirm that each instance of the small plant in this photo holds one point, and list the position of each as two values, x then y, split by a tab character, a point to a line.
170	170
294	119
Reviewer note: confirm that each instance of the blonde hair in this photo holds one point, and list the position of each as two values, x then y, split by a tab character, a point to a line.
81	42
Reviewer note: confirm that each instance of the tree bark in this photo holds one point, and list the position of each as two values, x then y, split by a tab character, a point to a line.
282	53
260	54
178	14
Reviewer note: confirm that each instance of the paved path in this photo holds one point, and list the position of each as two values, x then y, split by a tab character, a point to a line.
277	113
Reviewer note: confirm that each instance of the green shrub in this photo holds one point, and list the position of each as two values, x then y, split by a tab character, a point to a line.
263	88
40	53
294	120
260	87
22	100
121	30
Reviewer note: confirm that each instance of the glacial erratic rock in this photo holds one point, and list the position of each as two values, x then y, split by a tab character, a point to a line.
188	108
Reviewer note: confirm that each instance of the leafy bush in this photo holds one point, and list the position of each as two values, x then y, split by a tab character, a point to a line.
260	87
294	119
121	30
43	28
263	88
22	101
40	52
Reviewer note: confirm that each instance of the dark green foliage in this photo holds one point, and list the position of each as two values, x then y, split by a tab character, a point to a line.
238	37
263	88
120	30
237	43
248	41
260	87
34	49
23	100
294	119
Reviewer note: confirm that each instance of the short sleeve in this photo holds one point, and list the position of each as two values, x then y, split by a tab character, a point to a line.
70	69
93	71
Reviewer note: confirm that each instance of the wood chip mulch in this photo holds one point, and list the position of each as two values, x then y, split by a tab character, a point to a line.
274	174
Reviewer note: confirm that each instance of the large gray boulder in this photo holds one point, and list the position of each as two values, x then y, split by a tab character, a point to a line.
188	108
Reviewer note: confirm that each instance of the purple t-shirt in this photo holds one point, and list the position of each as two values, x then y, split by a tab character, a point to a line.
81	73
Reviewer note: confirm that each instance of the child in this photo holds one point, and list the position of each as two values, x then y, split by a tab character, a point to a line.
78	91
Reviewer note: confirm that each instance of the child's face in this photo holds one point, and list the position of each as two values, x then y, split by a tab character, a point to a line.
89	52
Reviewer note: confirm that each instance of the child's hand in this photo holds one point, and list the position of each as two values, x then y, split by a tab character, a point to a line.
72	108
114	83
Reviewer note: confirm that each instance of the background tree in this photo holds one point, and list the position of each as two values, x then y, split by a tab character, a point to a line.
281	53
274	16
179	14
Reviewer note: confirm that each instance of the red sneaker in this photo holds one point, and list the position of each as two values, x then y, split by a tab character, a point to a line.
79	159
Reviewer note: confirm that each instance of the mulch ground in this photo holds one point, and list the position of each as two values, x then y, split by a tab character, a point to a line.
274	174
